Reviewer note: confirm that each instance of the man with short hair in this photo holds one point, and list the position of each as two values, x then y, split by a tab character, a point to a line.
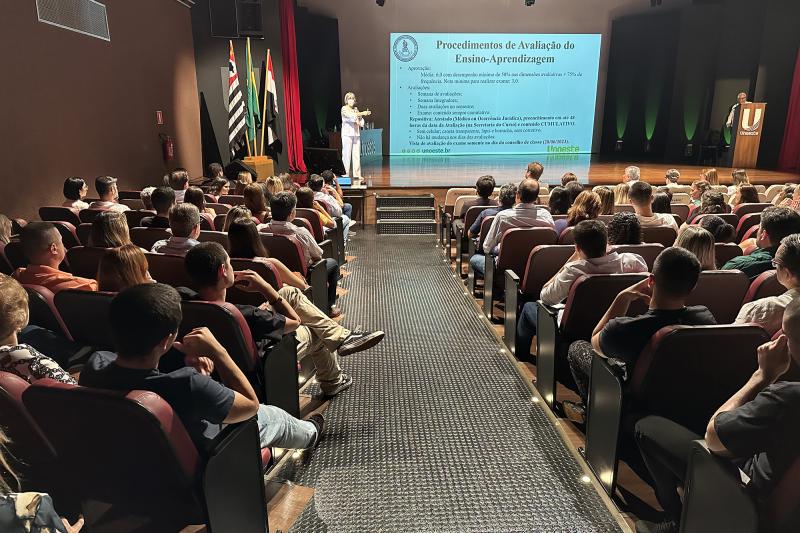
741	99
146	196
42	245
289	310
106	187
619	336
776	224
768	312
184	221
162	198
485	188
672	177
179	181
333	188
322	195
641	198
568	177
590	257
507	197
283	206
215	171
144	325
526	214
757	429
534	171
631	174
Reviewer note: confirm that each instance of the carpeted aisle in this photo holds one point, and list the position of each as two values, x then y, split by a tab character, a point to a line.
438	432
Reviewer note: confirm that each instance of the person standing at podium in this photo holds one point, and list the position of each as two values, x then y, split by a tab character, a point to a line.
352	122
741	100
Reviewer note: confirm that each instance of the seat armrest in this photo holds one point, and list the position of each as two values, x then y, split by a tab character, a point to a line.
329	250
488	285
232	482
603	419
548	338
318	279
512	298
279	372
338	232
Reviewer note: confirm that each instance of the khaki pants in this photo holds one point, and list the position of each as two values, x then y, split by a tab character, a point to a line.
318	337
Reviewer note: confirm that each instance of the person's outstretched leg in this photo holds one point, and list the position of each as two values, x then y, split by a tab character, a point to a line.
278	428
526	330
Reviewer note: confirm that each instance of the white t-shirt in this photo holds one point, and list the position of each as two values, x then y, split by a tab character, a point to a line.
658	219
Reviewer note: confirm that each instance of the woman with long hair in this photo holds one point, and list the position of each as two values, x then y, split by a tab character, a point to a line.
586	207
121	268
245	243
219	187
700	242
110	230
195	196
621	194
236	212
256	202
746	194
710	175
243	179
711	203
274	185
606	200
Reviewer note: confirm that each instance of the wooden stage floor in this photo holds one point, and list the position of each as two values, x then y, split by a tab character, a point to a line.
433	172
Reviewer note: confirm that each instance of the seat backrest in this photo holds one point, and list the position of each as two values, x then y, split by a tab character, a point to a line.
107	436
219	237
287	249
722	291
134	217
69	235
5	264
664	235
472	215
312	217
516	245
783	502
485	226
648	251
772	191
750	234
567	236
14	255
764	286
268	272
588	299
206	222
84	260
130	195
169	269
459	205
623	208
710	361
745	209
42	310
133	203
452	194
85	314
147	237
745	223
725	251
220	208
84	232
89	215
303	223
230	199
681	210
730	218
681	198
56	212
219	221
228	326
543	263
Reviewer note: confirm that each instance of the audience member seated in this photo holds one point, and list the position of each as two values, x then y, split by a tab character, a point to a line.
507	197
288	183
591	257
721	230
624	228
329	201
196	197
526	214
559	201
256	202
236	212
273	185
710	175
145	196
106	187
332	184
5	229
746	194
622	194
768	312
75	190
219	187
585	207
305	200
16	357
283	210
631	175
776	223
641	198
184	221
786	193
792	201
711	203
573	189
672	177
41	244
756	429
534	171
110	230
606	195
163	198
485	188
700	242
568	177
698	189
144	325
121	268
618	336
215	171
245	243
662	203
243	179
179	181
289	310
740	179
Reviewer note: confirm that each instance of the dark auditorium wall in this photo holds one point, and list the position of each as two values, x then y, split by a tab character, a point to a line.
77	105
364	30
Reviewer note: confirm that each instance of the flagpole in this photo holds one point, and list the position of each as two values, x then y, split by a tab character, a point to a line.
264	108
247	138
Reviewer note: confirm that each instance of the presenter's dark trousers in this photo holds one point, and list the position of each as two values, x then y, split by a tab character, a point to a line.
332	269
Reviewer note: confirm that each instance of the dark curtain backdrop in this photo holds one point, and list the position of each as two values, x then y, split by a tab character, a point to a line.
291	89
790	150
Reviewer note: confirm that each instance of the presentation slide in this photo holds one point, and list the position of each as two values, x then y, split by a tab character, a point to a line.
473	93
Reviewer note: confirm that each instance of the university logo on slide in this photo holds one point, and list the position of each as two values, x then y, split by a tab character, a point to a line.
405	48
751	126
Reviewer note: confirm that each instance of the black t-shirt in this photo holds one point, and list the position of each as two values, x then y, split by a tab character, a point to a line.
154	221
625	337
764	434
201	403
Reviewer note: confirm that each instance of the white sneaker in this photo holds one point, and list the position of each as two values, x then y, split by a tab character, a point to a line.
352	223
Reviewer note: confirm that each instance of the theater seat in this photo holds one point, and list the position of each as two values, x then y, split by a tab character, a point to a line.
722	291
664	235
330	246
84	232
219	237
219	209
85	314
725	251
219	221
88	216
745	223
231	199
85	260
53	213
69	235
131	451
14	255
5	264
263	269
169	269
147	237
682	210
461	235
287	249
43	312
745	209
134	217
765	285
649	251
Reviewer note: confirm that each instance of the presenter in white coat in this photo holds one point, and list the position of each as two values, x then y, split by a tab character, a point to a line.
352	122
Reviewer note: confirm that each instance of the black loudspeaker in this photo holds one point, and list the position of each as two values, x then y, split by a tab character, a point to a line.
319	159
237	165
236	18
248	17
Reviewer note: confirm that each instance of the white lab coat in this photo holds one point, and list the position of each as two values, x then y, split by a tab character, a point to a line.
351	141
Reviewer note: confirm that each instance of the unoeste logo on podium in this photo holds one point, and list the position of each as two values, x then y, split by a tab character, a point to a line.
749	128
405	48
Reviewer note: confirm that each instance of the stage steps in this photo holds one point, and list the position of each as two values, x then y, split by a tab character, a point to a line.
405	215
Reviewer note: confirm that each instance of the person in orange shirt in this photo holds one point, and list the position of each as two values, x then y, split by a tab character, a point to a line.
42	245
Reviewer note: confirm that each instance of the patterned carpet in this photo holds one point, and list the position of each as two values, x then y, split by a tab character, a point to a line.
438	432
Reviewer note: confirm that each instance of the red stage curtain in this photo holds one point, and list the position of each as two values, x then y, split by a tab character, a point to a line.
790	151
291	89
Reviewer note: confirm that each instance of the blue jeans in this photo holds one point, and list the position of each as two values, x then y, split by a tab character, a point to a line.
345	226
347	210
478	264
526	329
278	428
332	273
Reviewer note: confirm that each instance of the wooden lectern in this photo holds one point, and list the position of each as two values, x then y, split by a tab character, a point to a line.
263	165
746	136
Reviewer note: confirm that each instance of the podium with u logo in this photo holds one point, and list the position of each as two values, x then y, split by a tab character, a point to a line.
746	138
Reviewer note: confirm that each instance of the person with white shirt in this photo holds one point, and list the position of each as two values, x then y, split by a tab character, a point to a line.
768	312
352	122
106	187
741	99
631	174
184	222
317	184
641	198
672	177
179	181
591	257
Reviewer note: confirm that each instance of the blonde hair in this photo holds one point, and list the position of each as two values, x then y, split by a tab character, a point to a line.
121	268
13	306
586	207
274	185
109	230
5	488
606	200
5	229
710	175
700	242
348	95
621	194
